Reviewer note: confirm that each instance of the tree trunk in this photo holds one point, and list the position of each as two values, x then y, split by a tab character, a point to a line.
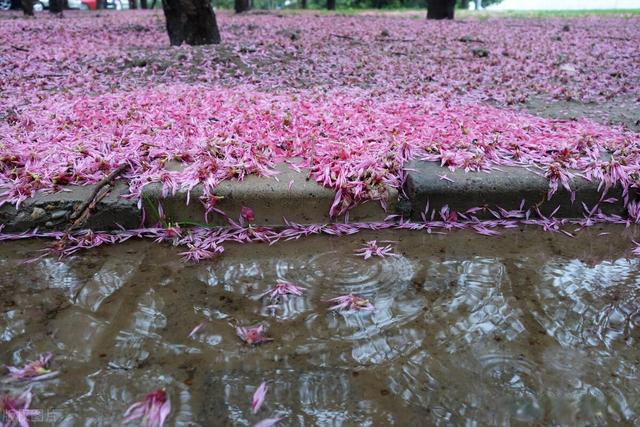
463	4
331	4
27	7
143	4
440	9
303	4
153	4
241	5
478	4
191	21
55	6
133	4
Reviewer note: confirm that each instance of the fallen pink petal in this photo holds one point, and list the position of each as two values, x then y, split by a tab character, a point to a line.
15	410
350	303
267	422
152	411
247	214
372	249
197	328
258	397
282	289
37	370
252	335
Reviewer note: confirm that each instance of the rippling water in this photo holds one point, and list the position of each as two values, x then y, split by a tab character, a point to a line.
525	328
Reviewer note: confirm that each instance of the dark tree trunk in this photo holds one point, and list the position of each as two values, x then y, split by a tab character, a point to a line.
191	21
303	4
440	9
153	4
143	4
478	4
331	4
463	4
27	7
241	5
55	6
133	4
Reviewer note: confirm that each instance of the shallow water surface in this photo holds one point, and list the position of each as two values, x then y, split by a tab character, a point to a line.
523	328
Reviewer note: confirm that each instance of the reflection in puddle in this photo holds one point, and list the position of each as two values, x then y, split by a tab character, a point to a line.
601	303
521	329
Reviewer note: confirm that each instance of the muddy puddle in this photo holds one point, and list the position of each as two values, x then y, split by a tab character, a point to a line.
524	328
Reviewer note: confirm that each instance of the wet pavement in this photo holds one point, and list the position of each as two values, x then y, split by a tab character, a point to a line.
524	328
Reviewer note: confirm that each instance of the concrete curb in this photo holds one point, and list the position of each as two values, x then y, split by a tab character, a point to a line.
293	196
52	211
298	199
505	188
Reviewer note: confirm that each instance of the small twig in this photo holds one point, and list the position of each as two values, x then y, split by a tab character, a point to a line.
386	39
624	39
104	181
21	49
342	36
345	37
527	25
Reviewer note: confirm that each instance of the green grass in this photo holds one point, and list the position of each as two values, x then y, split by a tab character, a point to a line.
462	14
546	13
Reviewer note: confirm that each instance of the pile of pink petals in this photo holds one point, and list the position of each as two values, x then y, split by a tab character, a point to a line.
348	140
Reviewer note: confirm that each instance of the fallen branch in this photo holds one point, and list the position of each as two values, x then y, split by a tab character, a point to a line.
90	207
21	49
97	194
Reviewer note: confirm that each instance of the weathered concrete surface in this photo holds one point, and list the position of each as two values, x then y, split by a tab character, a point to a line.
293	196
505	188
52	211
622	110
298	199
